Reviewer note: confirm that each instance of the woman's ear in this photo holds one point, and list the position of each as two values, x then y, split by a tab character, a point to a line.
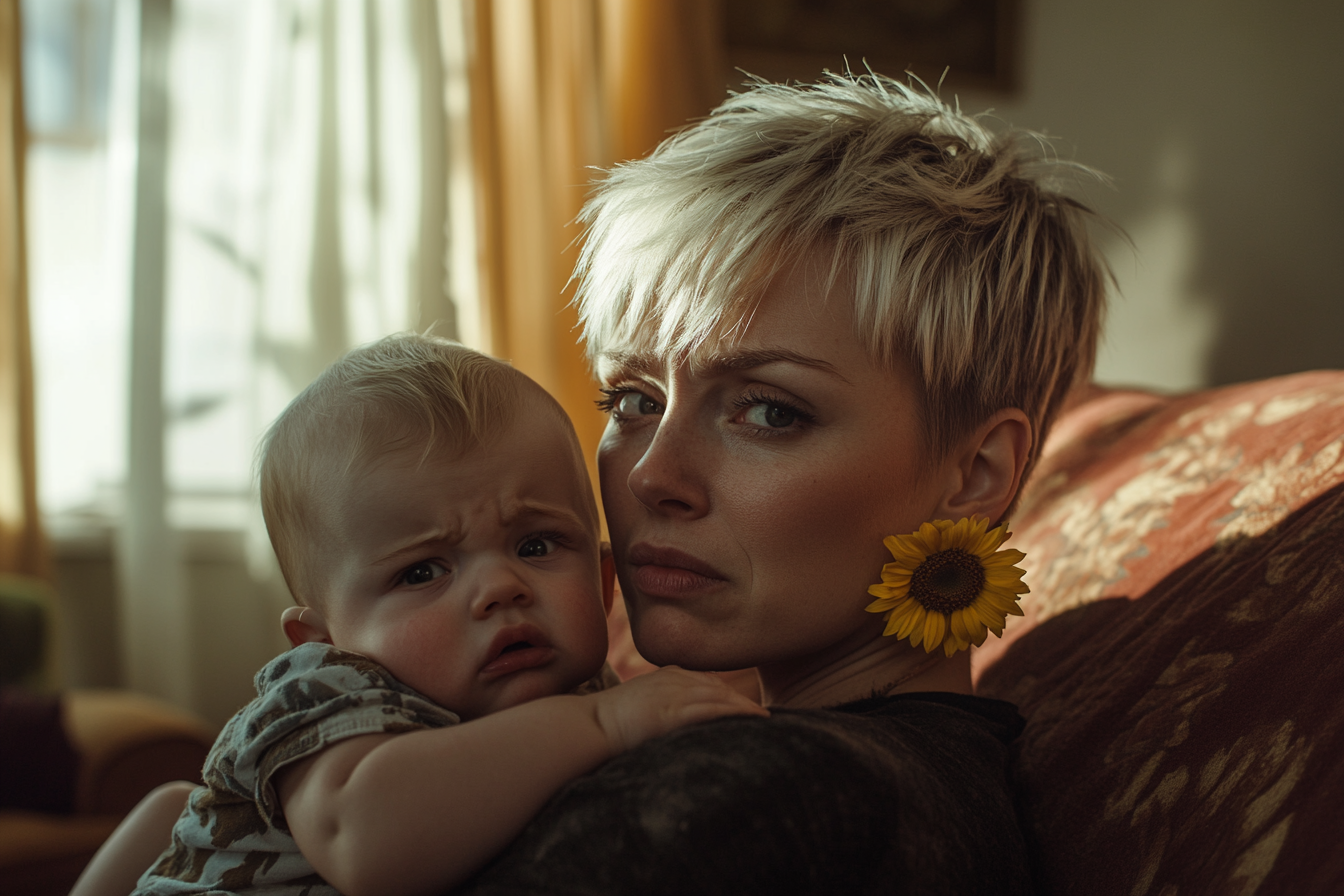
304	624
608	577
989	467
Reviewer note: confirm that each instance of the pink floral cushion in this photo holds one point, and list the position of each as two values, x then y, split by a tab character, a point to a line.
1180	661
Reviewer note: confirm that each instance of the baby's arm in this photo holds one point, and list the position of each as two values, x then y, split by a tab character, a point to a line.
417	813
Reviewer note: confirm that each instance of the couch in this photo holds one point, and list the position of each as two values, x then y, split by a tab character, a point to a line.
1179	662
72	763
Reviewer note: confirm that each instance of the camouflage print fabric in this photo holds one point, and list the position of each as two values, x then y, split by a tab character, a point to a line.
232	838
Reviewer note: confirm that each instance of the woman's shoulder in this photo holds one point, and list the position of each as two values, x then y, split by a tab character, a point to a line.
903	739
864	794
909	747
933	712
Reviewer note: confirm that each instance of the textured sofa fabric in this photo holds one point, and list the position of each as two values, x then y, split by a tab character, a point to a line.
1179	664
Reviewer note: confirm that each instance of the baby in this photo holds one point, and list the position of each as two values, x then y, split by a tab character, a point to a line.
433	519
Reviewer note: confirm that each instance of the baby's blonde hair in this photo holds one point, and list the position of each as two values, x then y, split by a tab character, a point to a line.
404	390
963	258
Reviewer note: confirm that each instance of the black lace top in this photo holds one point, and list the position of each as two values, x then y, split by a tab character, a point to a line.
902	794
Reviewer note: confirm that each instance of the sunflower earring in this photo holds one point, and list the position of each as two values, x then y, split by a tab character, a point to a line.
949	584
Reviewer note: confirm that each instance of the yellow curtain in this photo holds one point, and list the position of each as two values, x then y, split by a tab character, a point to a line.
22	546
558	86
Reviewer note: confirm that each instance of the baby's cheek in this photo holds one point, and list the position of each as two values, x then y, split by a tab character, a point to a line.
420	655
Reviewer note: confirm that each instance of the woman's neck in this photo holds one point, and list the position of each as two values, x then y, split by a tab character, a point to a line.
880	668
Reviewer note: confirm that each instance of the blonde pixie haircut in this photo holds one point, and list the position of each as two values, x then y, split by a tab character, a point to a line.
962	257
404	390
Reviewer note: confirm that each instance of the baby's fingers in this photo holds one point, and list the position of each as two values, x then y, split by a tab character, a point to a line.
711	699
717	706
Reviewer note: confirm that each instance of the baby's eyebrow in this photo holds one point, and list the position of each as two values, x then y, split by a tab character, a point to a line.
412	545
527	507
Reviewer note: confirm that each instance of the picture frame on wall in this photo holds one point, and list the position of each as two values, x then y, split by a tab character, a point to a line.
962	43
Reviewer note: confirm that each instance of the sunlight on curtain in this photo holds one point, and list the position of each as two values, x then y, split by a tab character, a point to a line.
556	87
22	548
270	192
310	154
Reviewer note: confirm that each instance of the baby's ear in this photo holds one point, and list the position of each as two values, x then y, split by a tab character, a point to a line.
304	624
608	577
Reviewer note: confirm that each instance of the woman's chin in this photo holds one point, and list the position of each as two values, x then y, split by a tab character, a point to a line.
666	637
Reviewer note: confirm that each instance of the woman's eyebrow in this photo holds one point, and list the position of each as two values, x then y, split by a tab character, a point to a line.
642	363
751	358
710	365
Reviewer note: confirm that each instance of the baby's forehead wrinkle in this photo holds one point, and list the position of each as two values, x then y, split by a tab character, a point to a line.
449	535
514	508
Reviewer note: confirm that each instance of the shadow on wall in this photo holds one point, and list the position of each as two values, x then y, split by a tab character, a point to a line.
1220	125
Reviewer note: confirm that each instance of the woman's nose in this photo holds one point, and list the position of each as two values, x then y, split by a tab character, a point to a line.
498	587
669	478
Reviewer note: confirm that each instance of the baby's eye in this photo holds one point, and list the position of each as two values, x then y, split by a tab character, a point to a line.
536	546
422	572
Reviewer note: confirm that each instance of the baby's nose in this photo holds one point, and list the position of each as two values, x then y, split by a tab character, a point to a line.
499	588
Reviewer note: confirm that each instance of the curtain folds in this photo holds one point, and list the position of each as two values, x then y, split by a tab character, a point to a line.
557	87
23	548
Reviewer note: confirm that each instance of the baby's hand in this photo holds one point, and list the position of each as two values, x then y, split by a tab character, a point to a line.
661	701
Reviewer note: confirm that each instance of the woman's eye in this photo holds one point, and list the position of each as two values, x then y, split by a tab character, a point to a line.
536	546
774	416
637	404
627	404
422	572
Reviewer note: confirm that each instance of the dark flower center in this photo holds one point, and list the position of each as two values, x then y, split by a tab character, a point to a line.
948	580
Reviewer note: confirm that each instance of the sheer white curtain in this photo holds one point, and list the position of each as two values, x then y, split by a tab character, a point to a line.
278	179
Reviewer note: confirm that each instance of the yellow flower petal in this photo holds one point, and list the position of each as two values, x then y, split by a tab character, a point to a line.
912	623
988	615
957	623
963	626
1005	558
953	644
974	626
935	625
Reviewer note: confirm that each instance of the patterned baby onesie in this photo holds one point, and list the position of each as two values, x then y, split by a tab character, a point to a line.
232	837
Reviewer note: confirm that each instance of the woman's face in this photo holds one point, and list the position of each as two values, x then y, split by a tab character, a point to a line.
748	490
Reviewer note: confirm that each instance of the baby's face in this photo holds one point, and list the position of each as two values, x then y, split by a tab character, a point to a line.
475	580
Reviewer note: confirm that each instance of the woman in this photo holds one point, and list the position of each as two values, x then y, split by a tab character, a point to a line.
824	316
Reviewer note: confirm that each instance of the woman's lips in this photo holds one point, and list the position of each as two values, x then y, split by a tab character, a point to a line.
668	572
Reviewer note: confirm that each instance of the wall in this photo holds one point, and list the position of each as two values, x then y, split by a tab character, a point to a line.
1220	124
1218	121
234	620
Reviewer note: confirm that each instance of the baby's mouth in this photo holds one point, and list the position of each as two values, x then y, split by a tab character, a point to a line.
517	647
